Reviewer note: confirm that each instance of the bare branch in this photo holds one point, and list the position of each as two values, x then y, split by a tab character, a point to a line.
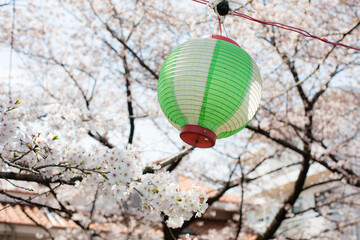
129	100
29	201
273	171
93	208
277	140
259	164
348	174
18	166
322	183
6	4
291	66
288	203
37	178
103	140
87	102
242	181
178	157
18	186
329	52
63	208
36	223
125	45
322	91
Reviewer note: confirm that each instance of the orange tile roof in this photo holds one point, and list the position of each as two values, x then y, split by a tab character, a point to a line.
248	238
14	214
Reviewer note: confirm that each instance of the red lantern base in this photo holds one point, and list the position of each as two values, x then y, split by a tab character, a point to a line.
198	136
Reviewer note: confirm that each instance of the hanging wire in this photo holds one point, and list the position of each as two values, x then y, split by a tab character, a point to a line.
11	47
225	30
276	24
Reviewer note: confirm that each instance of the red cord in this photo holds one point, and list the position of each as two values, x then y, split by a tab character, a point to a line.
220	26
283	26
201	1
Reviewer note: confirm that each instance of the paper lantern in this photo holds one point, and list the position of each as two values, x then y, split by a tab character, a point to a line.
209	88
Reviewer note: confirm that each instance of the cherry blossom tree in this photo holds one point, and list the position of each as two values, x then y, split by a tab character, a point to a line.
83	125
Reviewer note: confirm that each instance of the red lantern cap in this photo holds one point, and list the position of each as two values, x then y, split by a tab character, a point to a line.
198	136
220	37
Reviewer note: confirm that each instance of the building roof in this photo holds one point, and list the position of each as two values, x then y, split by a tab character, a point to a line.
13	213
18	215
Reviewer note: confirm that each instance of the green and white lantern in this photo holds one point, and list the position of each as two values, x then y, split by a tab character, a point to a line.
209	88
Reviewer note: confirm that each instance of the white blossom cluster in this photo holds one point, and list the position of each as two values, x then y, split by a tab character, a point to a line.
118	174
161	192
7	125
115	173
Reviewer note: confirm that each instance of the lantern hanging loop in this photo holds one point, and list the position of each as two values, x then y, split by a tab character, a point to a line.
222	8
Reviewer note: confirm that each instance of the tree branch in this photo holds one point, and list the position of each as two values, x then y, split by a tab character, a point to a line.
322	183
5	4
36	223
87	101
37	178
129	100
277	140
93	208
29	201
114	35
68	212
18	166
329	52
273	171
322	91
177	158
348	174
242	181
288	203
103	140
295	74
